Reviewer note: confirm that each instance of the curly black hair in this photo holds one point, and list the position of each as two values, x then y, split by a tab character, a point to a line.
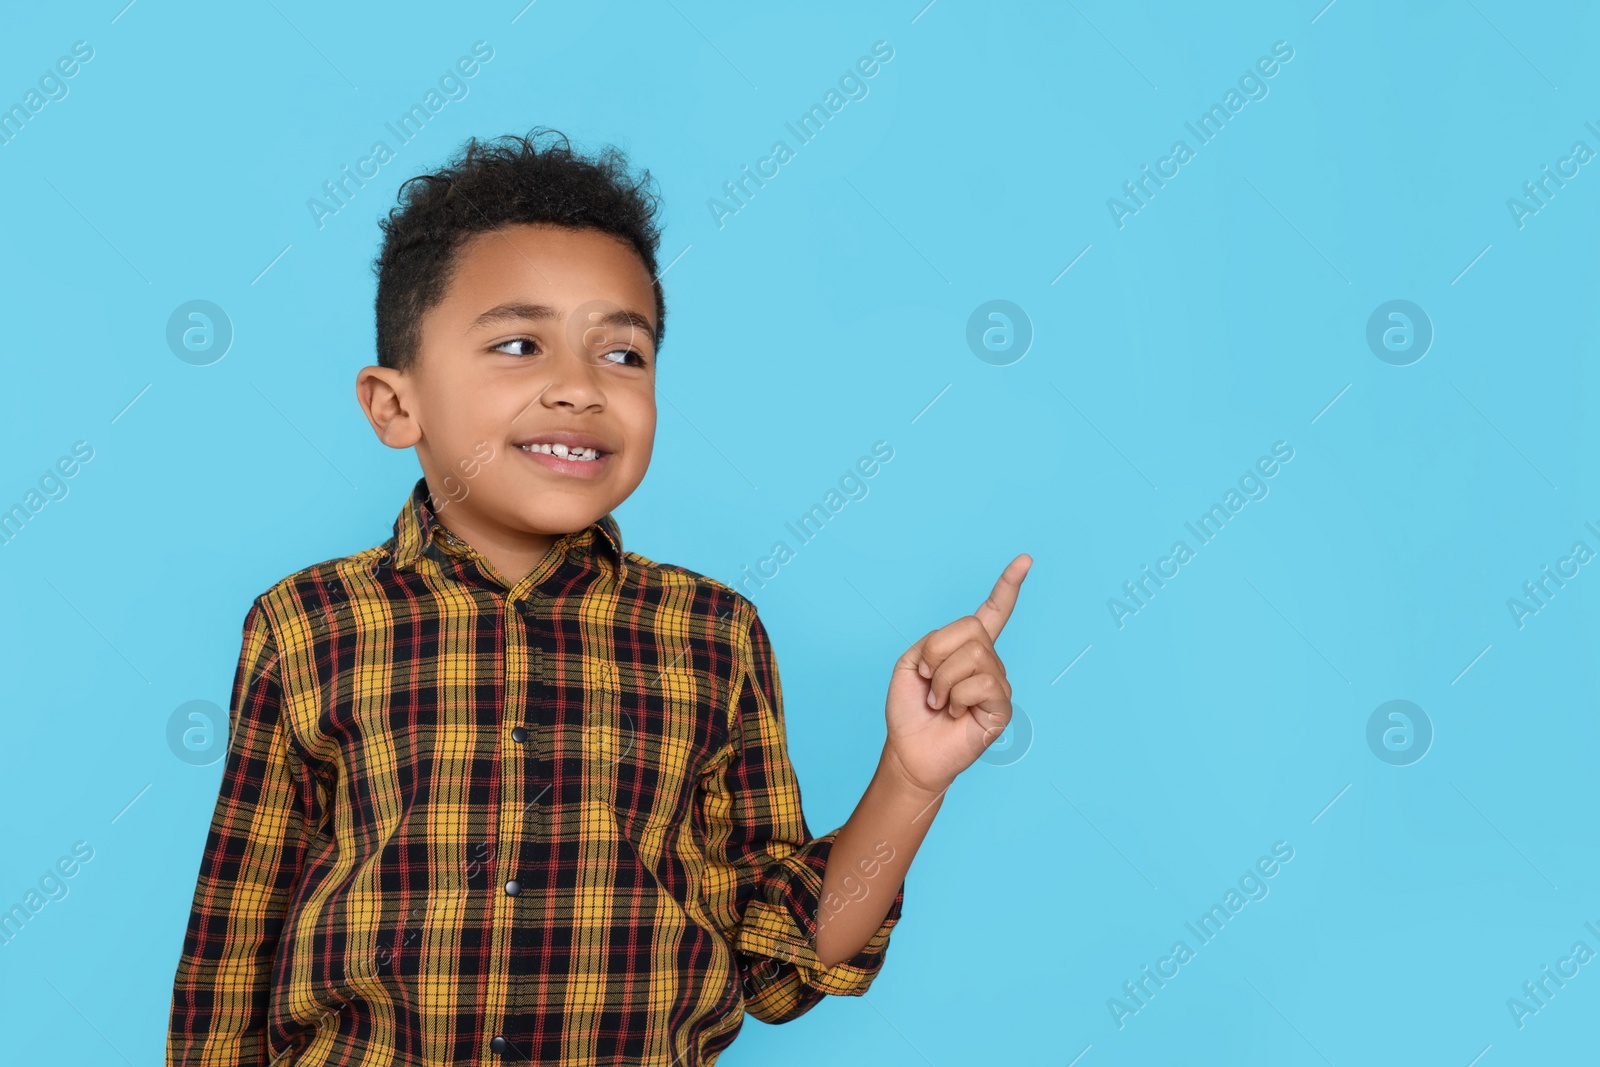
507	180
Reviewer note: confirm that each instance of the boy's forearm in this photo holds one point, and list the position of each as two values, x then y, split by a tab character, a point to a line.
868	861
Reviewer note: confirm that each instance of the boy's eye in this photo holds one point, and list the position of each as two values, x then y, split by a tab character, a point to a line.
638	360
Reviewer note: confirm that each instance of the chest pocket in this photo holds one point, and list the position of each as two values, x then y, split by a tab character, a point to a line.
645	735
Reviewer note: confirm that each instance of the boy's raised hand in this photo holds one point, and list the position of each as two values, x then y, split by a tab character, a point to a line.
948	696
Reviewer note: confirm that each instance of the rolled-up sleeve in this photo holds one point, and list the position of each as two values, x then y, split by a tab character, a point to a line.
250	866
765	871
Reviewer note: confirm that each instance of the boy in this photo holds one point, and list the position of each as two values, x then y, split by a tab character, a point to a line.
497	789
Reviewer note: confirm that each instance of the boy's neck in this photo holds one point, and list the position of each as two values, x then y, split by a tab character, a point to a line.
512	555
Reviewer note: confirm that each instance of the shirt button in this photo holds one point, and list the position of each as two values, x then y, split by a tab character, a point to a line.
513	887
518	734
500	1045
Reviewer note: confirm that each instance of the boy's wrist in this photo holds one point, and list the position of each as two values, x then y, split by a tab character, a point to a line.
891	772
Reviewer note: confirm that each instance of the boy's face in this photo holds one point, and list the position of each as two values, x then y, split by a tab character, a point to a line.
543	329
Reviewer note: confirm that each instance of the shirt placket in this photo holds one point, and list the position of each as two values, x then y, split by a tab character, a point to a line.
527	799
524	801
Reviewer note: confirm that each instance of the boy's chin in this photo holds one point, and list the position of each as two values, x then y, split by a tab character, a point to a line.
554	522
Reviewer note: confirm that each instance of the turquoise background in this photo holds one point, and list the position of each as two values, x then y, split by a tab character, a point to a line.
831	312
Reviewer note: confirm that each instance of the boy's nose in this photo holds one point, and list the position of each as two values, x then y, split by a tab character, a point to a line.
574	380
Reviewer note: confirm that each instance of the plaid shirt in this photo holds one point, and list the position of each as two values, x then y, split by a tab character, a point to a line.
461	823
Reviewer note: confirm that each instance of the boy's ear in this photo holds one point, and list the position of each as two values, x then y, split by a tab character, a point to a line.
385	395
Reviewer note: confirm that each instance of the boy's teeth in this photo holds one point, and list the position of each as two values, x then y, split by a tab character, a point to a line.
582	455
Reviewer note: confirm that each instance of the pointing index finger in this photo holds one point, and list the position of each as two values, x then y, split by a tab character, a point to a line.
996	610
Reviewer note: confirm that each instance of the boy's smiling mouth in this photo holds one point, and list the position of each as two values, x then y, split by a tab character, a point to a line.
578	454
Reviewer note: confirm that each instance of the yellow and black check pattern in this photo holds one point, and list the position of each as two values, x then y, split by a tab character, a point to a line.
467	821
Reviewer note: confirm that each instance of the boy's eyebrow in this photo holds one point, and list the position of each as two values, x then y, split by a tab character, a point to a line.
517	309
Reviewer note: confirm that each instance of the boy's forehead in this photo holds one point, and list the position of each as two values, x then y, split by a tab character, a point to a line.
559	269
557	264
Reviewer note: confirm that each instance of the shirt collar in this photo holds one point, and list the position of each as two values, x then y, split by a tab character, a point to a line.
417	525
